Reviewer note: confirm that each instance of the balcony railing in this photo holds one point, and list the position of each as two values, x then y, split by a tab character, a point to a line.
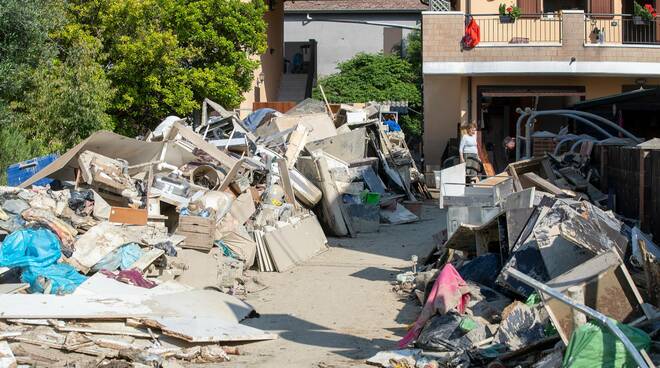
620	29
536	29
439	5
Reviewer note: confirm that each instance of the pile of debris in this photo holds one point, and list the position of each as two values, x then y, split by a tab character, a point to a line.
529	272
135	251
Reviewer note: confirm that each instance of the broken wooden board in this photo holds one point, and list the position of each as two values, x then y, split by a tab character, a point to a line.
13	288
101	328
538	165
147	259
294	244
128	216
7	359
531	179
206	329
72	306
605	286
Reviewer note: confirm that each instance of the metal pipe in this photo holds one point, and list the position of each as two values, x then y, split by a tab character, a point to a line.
571	114
584	309
580	116
580	141
523	115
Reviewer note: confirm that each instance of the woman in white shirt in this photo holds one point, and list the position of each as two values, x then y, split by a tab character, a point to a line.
468	151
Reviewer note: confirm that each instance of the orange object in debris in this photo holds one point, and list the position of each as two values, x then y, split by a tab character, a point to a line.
129	216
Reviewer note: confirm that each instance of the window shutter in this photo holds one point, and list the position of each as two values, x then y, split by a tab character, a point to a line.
601	7
529	7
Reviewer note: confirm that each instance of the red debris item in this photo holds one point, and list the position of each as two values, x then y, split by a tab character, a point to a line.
472	35
131	277
449	291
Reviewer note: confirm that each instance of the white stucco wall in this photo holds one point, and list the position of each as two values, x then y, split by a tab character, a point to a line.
338	42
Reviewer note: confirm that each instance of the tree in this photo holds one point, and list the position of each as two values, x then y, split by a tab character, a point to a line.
165	56
375	77
53	92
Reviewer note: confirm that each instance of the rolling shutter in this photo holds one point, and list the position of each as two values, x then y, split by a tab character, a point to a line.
601	7
529	7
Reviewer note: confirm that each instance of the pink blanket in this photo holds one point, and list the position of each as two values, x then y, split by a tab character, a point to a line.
449	291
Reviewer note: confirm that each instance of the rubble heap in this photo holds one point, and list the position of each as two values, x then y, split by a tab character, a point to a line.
531	271
137	251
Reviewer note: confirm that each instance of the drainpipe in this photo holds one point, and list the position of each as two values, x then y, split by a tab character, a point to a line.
469	99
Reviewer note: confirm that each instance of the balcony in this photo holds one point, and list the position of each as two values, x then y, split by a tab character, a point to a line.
559	44
540	30
619	30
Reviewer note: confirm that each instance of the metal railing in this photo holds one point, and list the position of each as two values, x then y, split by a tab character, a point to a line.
620	29
528	29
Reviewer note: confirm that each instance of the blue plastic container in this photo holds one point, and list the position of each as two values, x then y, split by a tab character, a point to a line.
22	171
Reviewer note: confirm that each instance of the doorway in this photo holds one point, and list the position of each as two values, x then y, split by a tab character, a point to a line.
497	114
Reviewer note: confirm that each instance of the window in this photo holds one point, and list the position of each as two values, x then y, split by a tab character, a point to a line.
554	6
531	7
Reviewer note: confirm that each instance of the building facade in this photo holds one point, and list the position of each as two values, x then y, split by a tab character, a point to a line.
340	41
555	55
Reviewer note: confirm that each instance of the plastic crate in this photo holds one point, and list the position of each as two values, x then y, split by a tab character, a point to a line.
19	172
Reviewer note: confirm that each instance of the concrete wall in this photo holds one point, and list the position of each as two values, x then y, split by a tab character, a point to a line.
339	42
445	101
272	62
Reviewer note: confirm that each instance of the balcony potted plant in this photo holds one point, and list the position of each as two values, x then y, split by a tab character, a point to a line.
643	14
509	14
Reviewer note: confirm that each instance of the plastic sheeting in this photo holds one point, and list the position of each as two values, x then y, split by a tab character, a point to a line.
595	346
30	248
58	278
121	258
36	252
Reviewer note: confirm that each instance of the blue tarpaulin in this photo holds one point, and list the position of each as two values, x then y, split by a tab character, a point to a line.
30	248
36	252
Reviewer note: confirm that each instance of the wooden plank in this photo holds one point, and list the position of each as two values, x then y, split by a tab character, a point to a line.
205	329
7	359
532	179
13	288
128	216
147	259
102	328
651	272
72	306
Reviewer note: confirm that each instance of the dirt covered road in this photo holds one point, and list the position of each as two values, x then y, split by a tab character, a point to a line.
339	308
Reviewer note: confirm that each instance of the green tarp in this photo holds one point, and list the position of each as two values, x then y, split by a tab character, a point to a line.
594	346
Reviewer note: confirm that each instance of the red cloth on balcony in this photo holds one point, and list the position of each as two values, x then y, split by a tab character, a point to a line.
472	35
